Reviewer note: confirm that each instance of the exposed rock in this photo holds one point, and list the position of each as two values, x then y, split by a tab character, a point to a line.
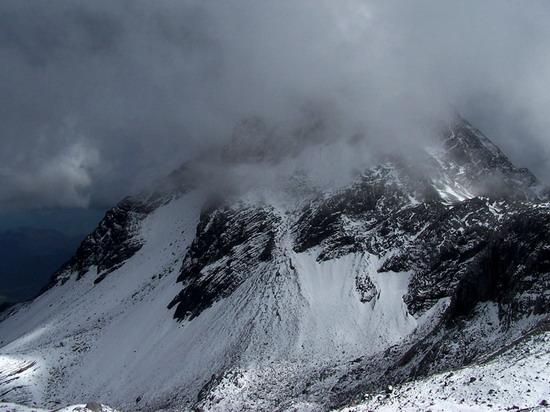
227	242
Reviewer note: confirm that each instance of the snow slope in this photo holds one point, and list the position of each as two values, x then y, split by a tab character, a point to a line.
516	379
106	341
73	334
89	407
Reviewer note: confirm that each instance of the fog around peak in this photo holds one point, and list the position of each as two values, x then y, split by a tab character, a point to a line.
101	98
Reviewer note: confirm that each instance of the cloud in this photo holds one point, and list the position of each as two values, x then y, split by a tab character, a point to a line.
62	180
99	98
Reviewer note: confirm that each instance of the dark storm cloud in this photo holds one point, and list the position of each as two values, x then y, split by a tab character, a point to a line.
93	94
98	97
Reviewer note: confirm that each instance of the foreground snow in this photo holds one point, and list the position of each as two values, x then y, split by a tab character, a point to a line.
518	379
89	407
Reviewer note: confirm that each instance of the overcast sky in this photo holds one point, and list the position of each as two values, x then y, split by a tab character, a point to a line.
100	96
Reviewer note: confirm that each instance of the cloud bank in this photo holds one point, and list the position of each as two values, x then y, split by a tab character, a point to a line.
99	98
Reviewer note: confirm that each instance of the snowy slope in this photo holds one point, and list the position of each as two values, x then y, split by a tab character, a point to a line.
516	379
78	334
88	407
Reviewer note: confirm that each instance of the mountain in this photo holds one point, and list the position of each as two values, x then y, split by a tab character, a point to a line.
28	257
426	271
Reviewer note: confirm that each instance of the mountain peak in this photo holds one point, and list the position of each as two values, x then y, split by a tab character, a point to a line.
173	303
468	161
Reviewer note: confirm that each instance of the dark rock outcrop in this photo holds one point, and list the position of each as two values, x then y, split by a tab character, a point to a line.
227	241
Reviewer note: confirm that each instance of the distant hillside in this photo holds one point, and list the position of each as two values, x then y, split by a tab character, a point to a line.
28	257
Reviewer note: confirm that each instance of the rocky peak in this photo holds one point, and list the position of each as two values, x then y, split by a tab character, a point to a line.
472	164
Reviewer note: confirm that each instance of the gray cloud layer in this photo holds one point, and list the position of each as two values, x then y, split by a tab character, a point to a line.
101	96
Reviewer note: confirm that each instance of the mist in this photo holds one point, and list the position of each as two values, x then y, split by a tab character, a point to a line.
101	98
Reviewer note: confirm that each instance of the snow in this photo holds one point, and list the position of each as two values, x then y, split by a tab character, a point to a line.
74	332
291	320
337	319
13	407
449	190
518	379
106	341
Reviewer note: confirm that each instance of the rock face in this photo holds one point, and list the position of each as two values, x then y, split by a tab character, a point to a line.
249	302
499	256
116	239
473	161
226	242
110	245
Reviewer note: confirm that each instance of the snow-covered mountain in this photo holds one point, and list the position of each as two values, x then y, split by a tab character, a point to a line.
307	299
